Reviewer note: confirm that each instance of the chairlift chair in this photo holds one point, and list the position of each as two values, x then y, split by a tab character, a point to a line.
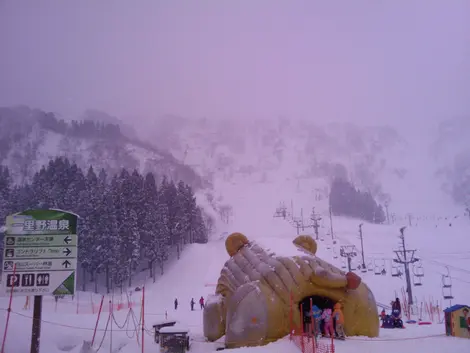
370	267
447	293
418	270
447	286
395	271
417	281
377	271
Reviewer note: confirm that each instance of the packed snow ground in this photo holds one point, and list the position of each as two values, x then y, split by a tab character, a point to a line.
438	244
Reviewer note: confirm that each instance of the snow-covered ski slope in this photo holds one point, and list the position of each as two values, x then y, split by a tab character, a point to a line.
438	245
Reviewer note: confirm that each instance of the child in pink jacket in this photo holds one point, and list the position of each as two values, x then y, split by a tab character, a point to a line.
328	322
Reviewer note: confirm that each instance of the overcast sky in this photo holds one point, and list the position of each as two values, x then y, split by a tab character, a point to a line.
367	61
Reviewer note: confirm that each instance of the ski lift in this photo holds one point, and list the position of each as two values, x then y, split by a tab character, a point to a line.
418	270
418	274
370	267
417	281
396	271
343	264
447	293
379	268
335	254
447	286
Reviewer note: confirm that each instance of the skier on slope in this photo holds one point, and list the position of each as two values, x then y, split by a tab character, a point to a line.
176	303
201	302
192	304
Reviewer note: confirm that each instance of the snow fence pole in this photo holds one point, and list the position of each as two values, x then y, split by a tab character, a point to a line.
9	309
302	330
78	300
97	320
143	317
291	317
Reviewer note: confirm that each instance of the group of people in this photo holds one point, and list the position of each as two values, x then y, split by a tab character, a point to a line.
392	320
191	303
326	322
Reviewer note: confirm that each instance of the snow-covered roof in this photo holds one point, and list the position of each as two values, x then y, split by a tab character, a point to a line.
174	329
163	322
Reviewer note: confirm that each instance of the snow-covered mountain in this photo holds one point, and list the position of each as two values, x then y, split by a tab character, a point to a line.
304	156
29	138
451	151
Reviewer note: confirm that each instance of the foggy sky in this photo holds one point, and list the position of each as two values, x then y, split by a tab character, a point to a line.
367	61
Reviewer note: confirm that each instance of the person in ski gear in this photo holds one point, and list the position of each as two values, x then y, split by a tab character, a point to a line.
396	314
327	322
192	304
339	319
382	314
201	302
176	303
396	307
316	316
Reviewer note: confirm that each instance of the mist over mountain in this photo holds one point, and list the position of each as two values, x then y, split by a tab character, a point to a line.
210	154
397	169
29	138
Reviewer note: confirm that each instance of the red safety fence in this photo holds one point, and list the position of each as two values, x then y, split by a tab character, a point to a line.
305	340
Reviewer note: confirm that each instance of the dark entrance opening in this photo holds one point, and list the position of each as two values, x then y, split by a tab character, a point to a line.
321	302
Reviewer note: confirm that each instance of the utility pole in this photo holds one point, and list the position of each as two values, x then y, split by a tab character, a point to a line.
406	257
362	245
315	220
348	251
302	219
297	224
331	225
386	212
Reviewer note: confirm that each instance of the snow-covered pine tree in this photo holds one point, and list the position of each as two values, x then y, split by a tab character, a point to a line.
130	245
128	231
162	233
108	240
89	200
170	197
138	198
5	194
201	234
188	211
41	197
148	236
74	191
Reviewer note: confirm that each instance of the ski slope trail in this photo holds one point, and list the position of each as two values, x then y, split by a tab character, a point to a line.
194	274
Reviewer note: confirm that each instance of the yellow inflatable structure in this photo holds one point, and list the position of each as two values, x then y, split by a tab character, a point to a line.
258	294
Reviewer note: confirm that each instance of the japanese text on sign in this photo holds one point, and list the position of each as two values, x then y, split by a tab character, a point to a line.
50	224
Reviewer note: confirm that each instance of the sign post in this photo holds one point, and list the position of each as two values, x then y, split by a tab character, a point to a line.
40	258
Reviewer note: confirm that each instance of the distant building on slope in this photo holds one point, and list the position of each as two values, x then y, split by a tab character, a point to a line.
457	321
